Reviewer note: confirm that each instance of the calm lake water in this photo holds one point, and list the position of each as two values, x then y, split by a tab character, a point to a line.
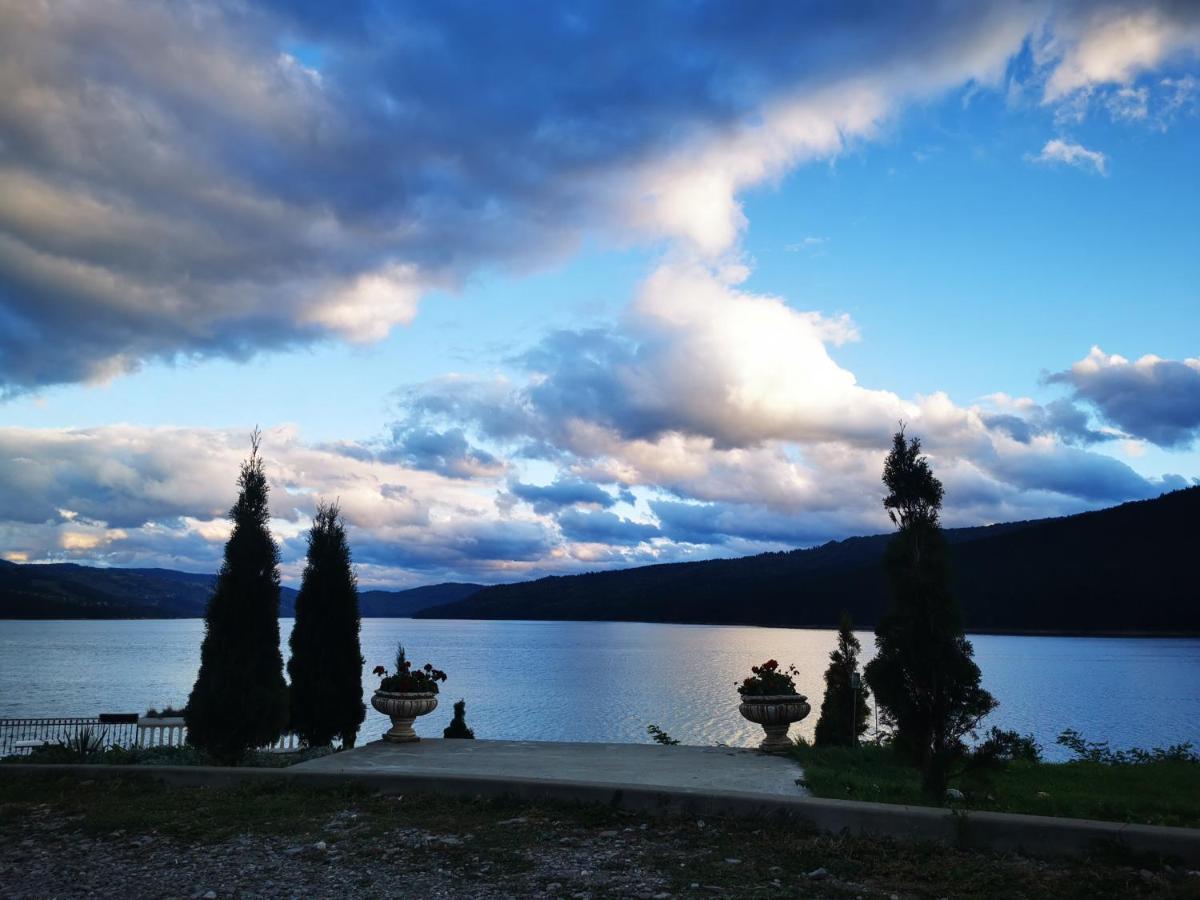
597	681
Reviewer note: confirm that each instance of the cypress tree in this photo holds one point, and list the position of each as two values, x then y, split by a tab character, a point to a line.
924	676
239	700
326	696
844	710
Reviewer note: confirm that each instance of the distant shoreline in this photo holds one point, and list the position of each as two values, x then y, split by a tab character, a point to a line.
1010	632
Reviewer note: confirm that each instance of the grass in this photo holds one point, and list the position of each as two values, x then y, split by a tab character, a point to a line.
1151	793
734	858
158	756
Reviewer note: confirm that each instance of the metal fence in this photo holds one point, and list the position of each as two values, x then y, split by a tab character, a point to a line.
19	736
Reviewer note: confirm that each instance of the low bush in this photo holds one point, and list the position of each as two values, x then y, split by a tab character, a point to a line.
1099	751
1154	792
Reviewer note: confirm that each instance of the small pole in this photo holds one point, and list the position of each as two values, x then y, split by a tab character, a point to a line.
855	684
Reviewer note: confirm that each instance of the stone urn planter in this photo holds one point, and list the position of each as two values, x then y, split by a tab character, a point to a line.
775	713
403	709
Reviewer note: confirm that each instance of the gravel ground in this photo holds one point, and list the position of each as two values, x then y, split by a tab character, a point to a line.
57	840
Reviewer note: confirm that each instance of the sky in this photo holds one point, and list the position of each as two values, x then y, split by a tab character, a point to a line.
547	289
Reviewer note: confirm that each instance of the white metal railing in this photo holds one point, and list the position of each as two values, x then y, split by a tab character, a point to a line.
172	732
166	732
20	736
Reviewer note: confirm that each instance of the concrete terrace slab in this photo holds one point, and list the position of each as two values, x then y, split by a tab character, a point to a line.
705	769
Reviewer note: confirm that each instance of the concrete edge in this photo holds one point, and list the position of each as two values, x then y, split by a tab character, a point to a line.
1033	835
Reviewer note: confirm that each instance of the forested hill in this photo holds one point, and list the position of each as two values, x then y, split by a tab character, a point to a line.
70	591
1131	568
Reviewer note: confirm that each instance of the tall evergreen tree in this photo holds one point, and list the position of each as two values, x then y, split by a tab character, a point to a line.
326	665
844	710
924	676
239	700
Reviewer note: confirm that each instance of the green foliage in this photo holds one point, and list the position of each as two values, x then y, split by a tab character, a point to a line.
924	677
769	680
458	725
240	699
1152	793
77	746
167	712
1100	753
844	710
660	736
1000	747
325	668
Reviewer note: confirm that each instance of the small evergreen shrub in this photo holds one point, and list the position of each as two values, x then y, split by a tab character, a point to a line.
844	709
458	725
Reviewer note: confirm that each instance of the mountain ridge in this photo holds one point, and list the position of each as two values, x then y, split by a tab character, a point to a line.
1071	574
74	591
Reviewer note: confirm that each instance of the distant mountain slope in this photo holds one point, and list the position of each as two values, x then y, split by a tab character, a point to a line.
70	591
1129	568
391	604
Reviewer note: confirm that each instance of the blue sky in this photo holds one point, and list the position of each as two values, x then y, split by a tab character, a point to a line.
691	298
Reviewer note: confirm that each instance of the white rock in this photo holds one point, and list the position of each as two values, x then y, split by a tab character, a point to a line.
818	874
954	794
320	845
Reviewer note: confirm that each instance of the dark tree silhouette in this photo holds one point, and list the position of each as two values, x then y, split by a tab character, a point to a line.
924	677
326	696
239	700
458	725
844	710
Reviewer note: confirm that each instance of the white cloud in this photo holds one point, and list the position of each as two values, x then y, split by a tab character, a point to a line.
1129	104
1113	43
812	244
1067	153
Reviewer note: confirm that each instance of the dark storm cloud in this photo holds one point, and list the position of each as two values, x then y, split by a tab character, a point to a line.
1061	418
719	523
1074	473
446	452
216	179
546	498
602	527
1157	400
466	545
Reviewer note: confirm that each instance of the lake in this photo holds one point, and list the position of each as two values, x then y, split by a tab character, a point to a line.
602	681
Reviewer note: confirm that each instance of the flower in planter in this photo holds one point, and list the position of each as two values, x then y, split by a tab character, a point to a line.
406	681
769	679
